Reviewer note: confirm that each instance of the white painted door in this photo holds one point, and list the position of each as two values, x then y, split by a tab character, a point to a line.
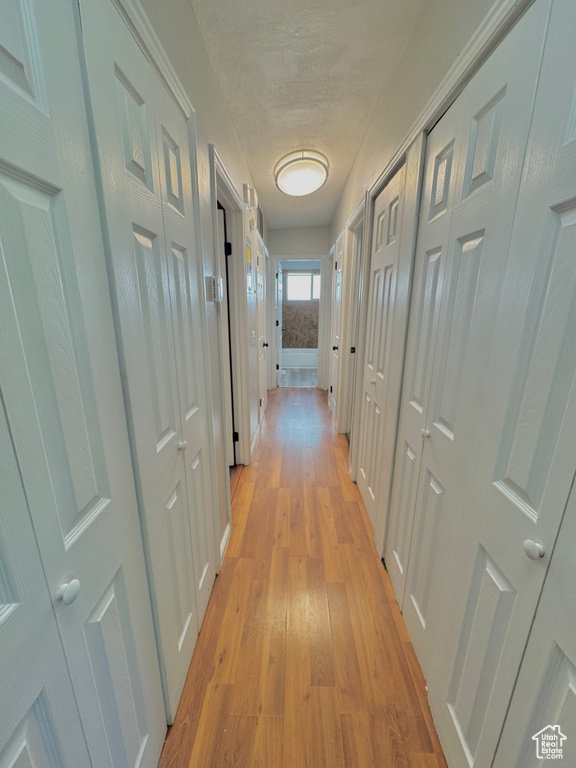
143	145
375	440
278	323
545	694
262	343
61	390
335	328
251	258
454	550
225	340
39	721
524	444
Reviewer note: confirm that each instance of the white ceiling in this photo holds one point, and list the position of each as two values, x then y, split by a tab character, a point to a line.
303	74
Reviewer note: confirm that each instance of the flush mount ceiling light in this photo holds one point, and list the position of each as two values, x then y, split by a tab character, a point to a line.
301	173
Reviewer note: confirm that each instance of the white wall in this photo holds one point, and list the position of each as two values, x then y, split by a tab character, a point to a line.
307	243
180	35
442	30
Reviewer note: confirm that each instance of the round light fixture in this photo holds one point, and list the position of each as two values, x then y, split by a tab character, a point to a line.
301	173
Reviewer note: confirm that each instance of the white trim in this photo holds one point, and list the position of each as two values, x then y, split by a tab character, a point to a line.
222	187
140	26
495	25
350	318
224	543
256	436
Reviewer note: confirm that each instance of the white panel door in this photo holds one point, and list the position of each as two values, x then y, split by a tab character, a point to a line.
225	340
335	327
524	446
39	722
61	390
279	295
262	343
545	694
376	442
143	147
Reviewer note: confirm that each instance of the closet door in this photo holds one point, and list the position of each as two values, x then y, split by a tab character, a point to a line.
261	300
377	378
61	390
335	327
143	149
39	722
524	445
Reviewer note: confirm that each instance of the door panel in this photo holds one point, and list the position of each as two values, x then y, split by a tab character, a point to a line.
143	144
39	721
335	327
378	385
61	386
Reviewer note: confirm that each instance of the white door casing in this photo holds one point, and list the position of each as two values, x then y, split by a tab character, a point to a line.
61	390
225	342
144	150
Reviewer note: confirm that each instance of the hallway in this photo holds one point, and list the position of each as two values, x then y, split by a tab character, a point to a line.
303	658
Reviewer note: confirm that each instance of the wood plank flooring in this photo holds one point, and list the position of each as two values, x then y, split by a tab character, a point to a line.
303	660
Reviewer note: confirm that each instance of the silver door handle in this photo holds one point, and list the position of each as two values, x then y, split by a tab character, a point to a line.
533	549
425	434
373	381
182	445
68	592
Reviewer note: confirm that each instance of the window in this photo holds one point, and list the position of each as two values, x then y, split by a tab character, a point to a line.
303	286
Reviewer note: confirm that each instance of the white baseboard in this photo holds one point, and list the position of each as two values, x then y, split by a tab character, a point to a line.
224	542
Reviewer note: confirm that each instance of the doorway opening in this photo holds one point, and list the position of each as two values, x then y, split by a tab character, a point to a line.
297	317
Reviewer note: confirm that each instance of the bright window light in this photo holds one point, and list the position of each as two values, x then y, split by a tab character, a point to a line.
303	287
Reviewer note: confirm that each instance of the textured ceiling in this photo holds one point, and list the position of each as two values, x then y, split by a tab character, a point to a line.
303	74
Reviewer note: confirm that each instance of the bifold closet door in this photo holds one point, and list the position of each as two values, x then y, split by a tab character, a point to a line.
62	396
455	550
391	262
377	375
144	153
524	451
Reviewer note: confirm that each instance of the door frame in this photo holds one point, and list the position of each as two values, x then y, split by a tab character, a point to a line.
223	190
352	265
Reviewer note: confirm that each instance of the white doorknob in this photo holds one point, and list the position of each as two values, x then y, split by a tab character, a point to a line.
425	434
373	381
533	549
68	592
182	445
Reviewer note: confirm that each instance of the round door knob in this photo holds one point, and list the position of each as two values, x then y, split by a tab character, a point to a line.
425	434
182	445
334	349
533	549
68	592
372	381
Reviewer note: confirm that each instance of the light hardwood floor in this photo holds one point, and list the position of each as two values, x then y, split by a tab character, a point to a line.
303	660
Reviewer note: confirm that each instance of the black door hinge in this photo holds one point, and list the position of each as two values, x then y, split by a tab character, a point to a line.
335	265
330	389
277	367
277	323
228	249
352	350
235	437
276	275
261	401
